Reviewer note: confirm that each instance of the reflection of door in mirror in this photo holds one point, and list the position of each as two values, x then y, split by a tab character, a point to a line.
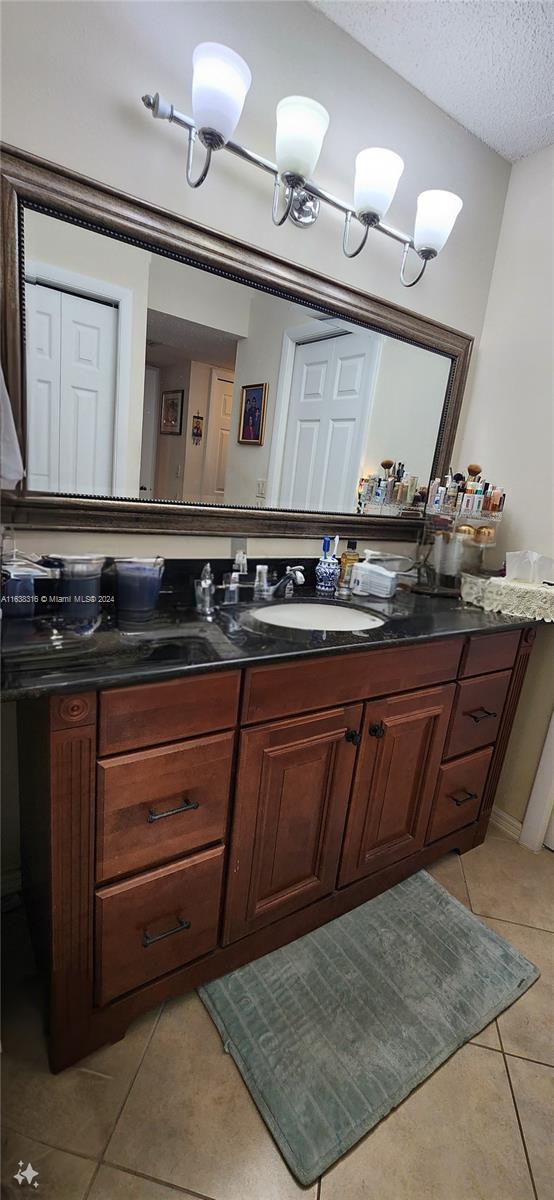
328	416
71	356
217	438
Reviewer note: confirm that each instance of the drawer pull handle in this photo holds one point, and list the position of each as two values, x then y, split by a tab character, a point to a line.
480	714
148	939
171	812
463	796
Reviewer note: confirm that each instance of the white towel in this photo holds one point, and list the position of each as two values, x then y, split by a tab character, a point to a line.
11	462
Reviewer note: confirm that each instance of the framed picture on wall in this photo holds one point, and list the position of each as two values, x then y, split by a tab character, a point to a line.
171	412
252	414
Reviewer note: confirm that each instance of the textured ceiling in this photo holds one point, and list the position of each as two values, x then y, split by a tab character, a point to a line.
487	63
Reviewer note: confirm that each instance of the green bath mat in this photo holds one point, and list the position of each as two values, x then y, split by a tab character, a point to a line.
332	1031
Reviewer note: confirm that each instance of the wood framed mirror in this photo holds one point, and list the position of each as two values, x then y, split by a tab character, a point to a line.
277	460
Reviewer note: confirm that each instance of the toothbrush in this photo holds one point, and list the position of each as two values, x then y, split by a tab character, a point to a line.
337	539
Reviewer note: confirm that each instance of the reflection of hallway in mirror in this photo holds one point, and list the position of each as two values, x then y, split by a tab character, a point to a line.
217	438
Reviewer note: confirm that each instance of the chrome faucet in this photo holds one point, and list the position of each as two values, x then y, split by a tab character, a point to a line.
292	576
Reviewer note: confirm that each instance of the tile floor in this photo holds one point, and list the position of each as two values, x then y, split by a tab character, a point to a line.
164	1113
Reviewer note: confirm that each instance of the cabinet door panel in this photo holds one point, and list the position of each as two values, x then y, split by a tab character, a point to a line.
293	785
402	743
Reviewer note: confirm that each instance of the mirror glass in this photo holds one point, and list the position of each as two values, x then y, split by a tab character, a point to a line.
150	379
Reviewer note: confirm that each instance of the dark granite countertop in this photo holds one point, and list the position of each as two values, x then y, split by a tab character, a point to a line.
43	657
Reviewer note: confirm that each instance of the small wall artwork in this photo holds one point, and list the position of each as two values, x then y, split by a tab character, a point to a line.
171	413
197	428
252	414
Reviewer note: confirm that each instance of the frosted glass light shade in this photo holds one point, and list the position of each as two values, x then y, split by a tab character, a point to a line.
301	127
435	217
376	180
220	82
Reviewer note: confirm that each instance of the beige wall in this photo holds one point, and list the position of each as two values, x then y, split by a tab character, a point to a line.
86	66
258	360
507	427
171	448
407	405
197	296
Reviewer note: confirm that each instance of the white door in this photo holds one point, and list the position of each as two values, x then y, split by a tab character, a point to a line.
71	373
150	416
217	438
328	417
87	407
44	338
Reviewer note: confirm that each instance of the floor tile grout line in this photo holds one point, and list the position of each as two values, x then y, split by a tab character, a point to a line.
461	861
518	924
175	1187
538	1062
319	1186
93	1158
518	1118
122	1105
139	1065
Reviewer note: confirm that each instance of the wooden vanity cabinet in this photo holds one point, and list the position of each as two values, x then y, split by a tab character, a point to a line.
173	831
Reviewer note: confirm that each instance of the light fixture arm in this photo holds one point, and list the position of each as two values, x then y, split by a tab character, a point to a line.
289	200
346	234
411	282
195	183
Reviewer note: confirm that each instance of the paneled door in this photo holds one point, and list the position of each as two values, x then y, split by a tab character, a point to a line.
328	418
217	438
71	365
292	794
400	753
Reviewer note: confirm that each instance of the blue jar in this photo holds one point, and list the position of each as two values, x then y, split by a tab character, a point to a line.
327	571
138	588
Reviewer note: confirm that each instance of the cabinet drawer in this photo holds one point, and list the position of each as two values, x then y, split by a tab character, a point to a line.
459	793
156	922
490	652
160	804
477	712
297	687
149	713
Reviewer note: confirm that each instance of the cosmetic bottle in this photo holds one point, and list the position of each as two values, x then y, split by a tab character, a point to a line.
261	585
347	560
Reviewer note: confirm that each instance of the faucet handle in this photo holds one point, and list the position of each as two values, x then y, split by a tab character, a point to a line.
298	574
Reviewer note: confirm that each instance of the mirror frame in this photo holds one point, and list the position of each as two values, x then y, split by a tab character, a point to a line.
29	181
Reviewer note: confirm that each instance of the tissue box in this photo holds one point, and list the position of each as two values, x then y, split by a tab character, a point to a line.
529	567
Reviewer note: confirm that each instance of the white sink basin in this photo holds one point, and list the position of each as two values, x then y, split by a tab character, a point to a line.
328	617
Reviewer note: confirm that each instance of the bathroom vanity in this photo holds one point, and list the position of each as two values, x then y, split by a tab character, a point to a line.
179	821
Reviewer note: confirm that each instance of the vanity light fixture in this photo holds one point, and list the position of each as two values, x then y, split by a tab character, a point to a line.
220	83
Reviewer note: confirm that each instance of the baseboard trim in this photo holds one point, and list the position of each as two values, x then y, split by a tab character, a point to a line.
506	823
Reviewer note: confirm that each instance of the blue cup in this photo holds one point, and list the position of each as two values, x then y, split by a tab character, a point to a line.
138	588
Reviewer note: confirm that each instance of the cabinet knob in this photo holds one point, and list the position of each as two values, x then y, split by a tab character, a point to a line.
377	730
353	736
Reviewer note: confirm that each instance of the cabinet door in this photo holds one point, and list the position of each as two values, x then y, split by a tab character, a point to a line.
292	794
402	743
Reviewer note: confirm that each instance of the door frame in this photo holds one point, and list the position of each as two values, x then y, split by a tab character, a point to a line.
295	335
90	288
